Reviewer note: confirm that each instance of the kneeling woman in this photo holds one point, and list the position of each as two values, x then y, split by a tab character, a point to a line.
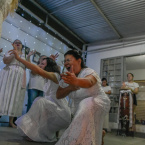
89	102
47	115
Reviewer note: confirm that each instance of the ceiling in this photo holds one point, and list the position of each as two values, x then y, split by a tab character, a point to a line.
79	22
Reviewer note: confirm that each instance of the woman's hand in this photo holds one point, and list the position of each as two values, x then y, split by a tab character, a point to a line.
70	77
123	85
31	53
1	50
54	56
15	53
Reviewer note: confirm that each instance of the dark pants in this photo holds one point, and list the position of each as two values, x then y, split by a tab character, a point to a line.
134	100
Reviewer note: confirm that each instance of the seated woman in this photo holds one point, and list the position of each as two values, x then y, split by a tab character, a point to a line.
46	115
89	102
134	87
107	90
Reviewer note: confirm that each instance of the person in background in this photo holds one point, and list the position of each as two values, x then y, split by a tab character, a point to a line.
107	90
12	84
36	84
131	85
6	7
134	87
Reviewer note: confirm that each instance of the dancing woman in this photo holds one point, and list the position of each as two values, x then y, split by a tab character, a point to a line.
12	84
89	102
46	115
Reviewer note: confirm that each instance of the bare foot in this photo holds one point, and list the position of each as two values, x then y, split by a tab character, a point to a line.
29	139
103	134
12	125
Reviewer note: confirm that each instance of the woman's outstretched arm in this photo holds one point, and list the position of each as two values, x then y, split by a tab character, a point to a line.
35	68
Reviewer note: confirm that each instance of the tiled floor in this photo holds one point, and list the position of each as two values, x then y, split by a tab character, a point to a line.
10	136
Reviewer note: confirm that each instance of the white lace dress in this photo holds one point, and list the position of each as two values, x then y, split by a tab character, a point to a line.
89	106
46	116
4	10
12	87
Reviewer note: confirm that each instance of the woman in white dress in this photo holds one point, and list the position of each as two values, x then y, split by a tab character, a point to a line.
12	84
107	90
46	115
6	7
89	102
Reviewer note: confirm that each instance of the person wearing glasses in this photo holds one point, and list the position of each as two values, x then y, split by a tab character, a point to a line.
12	84
89	103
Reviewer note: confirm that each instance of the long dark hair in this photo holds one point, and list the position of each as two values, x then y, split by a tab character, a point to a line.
51	66
77	56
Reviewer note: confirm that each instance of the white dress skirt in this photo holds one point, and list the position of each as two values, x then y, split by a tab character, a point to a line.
89	106
46	116
12	88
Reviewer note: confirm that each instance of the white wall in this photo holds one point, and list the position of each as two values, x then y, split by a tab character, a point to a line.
139	74
94	59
